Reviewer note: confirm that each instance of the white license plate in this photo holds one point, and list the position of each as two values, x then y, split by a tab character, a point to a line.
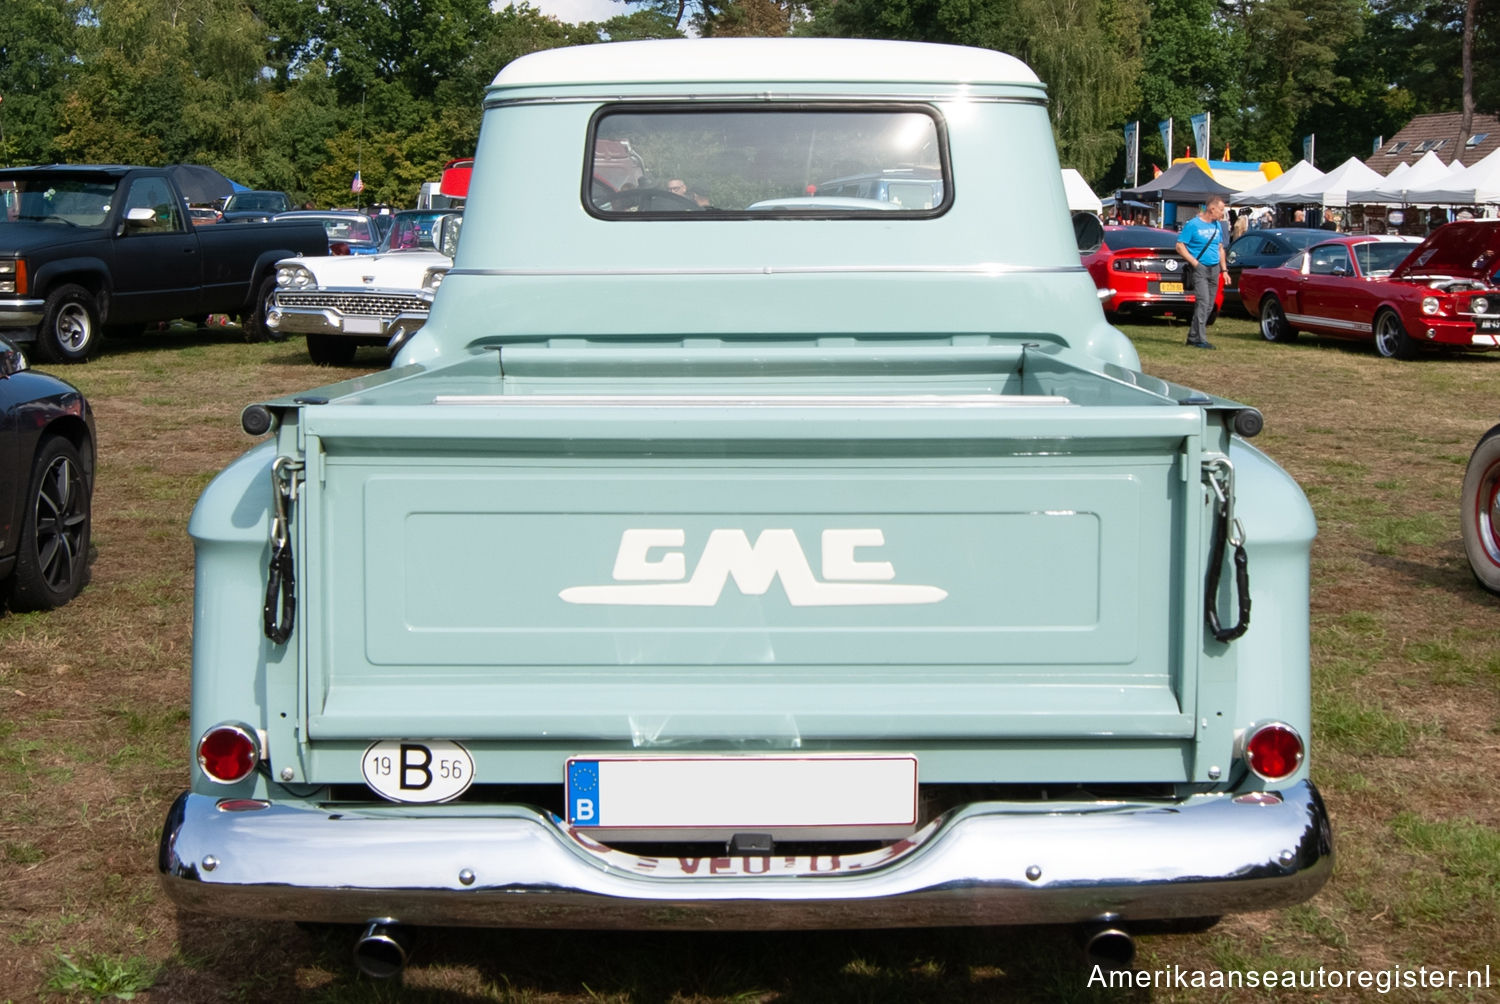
716	797
362	325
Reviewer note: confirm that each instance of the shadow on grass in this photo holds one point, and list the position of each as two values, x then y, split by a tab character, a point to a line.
452	965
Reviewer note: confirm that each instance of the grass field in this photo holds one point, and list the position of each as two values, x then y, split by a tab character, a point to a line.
94	697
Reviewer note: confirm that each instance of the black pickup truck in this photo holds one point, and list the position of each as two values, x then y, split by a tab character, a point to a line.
93	250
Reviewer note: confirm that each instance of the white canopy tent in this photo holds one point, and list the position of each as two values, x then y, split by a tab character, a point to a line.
1298	174
1394	190
1476	185
1332	189
1080	196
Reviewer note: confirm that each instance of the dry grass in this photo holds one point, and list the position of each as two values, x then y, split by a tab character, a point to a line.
93	739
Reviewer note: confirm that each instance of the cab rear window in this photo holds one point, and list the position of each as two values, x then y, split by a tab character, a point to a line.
758	163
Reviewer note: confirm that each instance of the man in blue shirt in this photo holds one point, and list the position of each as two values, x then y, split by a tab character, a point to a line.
1201	243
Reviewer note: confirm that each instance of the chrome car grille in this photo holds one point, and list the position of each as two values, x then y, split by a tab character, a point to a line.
370	304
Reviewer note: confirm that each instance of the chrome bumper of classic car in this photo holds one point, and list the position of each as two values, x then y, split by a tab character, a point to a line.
509	866
362	314
22	315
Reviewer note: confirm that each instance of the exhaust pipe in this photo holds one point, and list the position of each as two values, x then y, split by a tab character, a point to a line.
1108	946
380	952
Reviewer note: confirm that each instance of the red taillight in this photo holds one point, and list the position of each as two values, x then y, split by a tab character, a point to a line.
1273	751
228	753
338	247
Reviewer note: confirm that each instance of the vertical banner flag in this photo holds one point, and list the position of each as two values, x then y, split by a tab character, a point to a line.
1200	132
357	185
1132	151
1307	148
1165	128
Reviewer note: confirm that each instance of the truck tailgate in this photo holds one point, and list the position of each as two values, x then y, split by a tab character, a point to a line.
638	569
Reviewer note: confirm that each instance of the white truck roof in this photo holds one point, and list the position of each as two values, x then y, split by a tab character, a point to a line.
765	60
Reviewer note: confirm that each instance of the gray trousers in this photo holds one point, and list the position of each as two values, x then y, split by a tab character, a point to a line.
1205	285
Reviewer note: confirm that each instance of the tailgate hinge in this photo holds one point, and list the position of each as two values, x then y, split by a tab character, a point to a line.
1218	472
281	580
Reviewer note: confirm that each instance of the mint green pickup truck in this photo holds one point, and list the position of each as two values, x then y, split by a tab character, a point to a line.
728	551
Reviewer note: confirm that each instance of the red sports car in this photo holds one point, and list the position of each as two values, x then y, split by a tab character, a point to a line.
1403	295
1142	273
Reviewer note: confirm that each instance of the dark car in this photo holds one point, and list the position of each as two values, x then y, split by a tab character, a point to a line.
255	206
1138	271
1264	249
46	485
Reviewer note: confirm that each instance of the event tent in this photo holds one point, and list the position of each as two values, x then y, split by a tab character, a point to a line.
1182	182
1330	190
1080	196
1300	173
1476	185
1396	186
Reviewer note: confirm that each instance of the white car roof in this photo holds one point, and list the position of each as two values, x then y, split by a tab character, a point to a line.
774	60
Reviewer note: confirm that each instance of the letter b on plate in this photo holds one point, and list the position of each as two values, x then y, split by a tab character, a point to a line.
429	771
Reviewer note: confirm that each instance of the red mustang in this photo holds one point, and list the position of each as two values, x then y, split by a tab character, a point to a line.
1406	296
1142	273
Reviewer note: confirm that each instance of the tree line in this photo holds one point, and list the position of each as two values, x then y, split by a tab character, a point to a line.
297	95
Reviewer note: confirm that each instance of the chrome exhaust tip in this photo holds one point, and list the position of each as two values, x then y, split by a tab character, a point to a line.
1109	947
381	951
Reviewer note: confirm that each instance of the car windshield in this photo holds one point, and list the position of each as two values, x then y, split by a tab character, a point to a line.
751	163
350	229
264	202
417	231
1381	257
1139	237
80	201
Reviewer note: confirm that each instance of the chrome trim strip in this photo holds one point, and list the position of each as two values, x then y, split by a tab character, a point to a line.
1312	320
511	866
644	97
985	270
758	401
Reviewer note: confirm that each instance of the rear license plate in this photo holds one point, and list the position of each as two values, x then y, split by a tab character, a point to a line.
716	797
1171	287
362	325
1487	324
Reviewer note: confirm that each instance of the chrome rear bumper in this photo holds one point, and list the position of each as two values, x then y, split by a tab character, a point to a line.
988	863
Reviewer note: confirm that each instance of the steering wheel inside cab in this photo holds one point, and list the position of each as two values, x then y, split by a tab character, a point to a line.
644	200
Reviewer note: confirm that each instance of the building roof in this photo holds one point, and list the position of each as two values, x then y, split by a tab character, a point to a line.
1437	132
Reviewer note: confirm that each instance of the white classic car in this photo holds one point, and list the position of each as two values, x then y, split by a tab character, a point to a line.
341	302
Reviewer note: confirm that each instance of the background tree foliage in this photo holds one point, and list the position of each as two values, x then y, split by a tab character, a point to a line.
296	94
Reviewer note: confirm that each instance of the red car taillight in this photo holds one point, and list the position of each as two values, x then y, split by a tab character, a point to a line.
228	753
1273	750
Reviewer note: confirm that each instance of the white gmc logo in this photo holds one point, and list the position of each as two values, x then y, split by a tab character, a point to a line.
655	559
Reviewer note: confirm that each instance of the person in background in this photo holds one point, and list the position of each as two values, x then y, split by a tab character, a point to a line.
1299	219
1240	225
1200	242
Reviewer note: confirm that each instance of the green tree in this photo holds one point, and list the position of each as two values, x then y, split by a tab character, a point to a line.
1088	52
36	46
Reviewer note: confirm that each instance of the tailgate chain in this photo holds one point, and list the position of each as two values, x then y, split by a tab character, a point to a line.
1227	529
281	582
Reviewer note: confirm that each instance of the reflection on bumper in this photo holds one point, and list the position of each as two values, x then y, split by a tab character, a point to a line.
510	866
21	314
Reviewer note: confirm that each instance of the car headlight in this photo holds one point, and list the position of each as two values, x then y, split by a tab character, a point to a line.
12	276
434	278
1479	305
1431	305
294	277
